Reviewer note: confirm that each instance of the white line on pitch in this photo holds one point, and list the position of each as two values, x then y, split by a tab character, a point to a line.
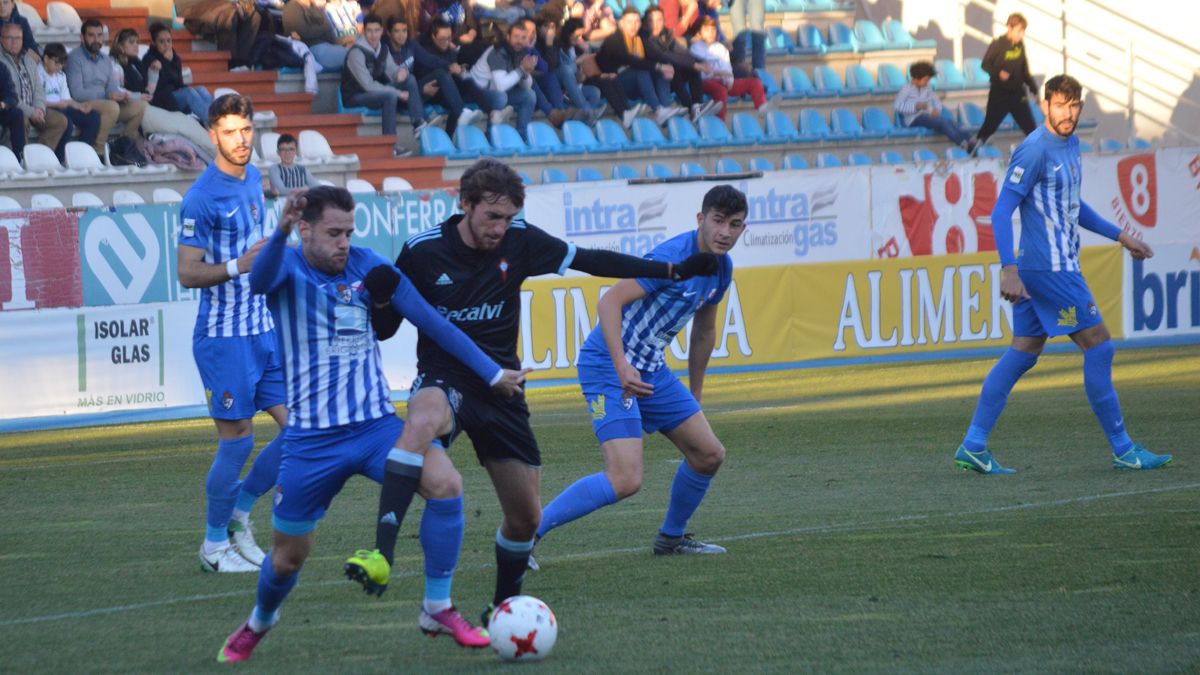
814	529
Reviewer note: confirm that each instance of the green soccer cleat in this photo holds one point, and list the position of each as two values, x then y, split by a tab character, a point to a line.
979	462
370	569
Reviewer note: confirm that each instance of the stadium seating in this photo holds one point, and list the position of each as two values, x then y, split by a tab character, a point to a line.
63	16
924	155
552	174
85	199
949	77
645	131
890	79
1106	145
269	140
859	159
747	128
9	204
624	172
770	86
794	162
891	157
1035	109
813	126
525	178
586	173
315	148
356	109
81	156
1086	147
728	165
43	32
859	79
435	142
878	124
692	169
682	133
843	123
612	134
780	127
826	82
976	76
796	84
42	200
579	135
827	160
713	132
896	34
127	198
809	40
505	138
10	166
165	195
1136	143
358	186
471	142
955	153
779	43
971	116
396	184
841	38
543	139
868	36
41	158
659	170
988	152
761	164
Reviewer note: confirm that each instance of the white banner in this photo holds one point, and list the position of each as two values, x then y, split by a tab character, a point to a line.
795	217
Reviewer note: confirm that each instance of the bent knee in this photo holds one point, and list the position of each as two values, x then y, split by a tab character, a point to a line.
709	460
626	483
442	485
286	564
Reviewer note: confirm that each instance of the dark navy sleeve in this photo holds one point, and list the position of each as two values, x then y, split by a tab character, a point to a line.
664	254
546	254
409	303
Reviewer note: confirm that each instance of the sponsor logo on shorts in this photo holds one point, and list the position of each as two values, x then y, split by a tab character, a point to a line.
1067	317
596	405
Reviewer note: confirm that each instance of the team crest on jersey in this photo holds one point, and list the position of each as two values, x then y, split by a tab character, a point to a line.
1067	317
596	405
1018	172
503	267
227	400
343	293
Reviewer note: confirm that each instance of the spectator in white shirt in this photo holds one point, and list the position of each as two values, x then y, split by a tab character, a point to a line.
919	107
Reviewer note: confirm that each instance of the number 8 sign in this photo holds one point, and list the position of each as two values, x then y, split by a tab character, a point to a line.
1139	188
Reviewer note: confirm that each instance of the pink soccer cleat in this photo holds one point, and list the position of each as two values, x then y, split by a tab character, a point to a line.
450	622
240	645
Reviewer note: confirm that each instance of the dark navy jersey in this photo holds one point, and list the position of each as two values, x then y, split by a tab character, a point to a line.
479	291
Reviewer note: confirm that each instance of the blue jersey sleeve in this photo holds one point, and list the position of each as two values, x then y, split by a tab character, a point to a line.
408	301
269	270
1025	168
195	222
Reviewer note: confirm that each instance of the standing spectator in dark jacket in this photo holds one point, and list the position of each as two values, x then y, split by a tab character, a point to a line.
11	117
663	47
9	14
1005	62
171	93
624	53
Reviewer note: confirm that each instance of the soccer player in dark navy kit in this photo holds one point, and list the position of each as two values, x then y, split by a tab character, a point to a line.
234	340
630	390
341	420
1044	283
471	268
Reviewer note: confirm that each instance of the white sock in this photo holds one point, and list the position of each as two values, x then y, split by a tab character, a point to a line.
257	625
211	547
435	606
240	515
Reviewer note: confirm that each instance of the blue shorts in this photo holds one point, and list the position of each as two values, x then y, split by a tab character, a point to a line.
1059	303
316	464
241	375
615	415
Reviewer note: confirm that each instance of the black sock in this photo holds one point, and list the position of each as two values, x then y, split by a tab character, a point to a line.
510	572
400	481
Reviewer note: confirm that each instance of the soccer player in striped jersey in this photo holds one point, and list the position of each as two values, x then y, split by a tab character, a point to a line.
1045	285
341	420
471	268
630	390
234	340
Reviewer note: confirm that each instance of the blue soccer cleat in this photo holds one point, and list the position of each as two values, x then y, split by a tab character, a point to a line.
979	462
1139	458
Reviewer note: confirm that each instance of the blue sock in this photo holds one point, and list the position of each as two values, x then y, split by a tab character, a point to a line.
583	496
272	589
996	387
222	484
441	539
262	474
1097	381
687	490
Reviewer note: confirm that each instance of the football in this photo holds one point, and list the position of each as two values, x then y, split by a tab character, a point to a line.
523	629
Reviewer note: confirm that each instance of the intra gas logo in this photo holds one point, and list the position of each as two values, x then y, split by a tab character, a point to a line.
808	225
632	229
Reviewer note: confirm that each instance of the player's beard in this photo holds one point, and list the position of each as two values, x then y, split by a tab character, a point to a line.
1065	126
229	157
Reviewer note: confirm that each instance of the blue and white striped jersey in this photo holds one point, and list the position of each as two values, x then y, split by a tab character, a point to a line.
649	323
1046	170
223	216
331	363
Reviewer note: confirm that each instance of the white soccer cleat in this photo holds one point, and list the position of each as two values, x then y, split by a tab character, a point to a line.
241	535
225	560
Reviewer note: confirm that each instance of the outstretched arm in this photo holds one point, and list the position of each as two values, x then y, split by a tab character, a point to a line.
601	263
1091	220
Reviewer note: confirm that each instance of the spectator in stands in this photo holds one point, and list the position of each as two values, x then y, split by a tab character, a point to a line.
402	51
10	15
720	83
565	70
307	22
436	60
680	16
624	53
162	63
11	117
919	106
606	83
287	175
547	90
1005	62
79	116
505	69
124	53
22	66
746	17
452	12
501	11
599	22
663	47
92	78
371	78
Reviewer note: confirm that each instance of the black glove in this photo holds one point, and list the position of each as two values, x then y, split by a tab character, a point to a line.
697	265
381	283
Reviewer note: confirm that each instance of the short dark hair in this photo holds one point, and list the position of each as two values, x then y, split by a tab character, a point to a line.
921	69
514	26
652	9
372	18
707	21
393	20
230	104
726	199
630	9
317	199
56	51
438	23
156	28
90	23
1066	85
1016	19
491	177
283	140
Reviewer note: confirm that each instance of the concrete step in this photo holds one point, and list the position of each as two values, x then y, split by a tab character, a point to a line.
284	106
425	173
117	18
204	62
249	83
331	126
366	147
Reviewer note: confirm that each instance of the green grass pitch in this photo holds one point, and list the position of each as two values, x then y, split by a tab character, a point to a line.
854	543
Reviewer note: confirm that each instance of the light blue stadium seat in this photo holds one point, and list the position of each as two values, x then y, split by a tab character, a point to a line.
525	178
826	82
949	77
859	79
844	124
813	126
1035	109
1136	143
692	169
877	123
909	132
579	135
761	164
890	79
809	40
624	172
841	38
924	155
976	76
610	133
544	139
868	36
728	165
827	160
1111	145
682	132
713	132
551	174
988	152
645	131
435	142
659	170
586	173
746	127
956	152
796	84
891	157
779	43
506	138
896	34
356	109
794	162
471	139
859	159
971	116
1085	147
781	127
770	86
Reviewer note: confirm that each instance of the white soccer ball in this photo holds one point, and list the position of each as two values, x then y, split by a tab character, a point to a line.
523	628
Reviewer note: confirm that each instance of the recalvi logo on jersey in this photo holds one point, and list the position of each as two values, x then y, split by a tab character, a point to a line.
484	312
